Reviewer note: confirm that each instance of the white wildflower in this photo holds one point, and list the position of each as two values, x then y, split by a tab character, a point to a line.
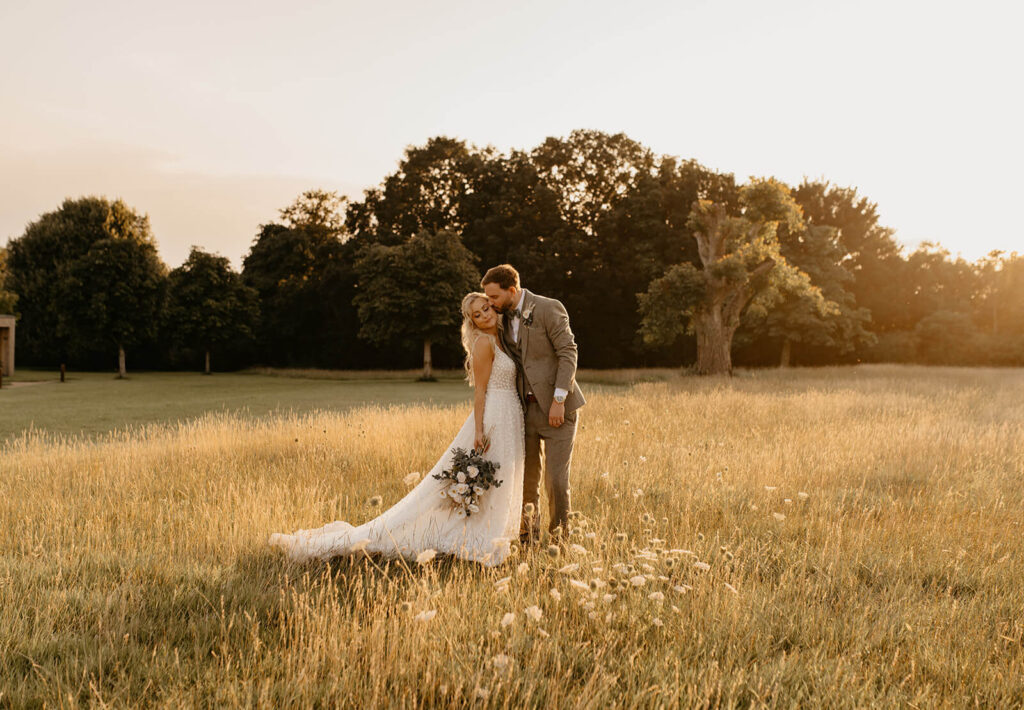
779	516
523	568
359	545
656	596
580	585
609	598
643	459
578	549
425	616
770	488
788	501
502	583
426	556
501	661
803	496
657	622
703	566
682	588
534	612
638	581
542	633
412	479
555	594
508	619
569	568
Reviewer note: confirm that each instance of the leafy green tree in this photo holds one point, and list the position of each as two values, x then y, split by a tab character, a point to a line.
740	266
56	250
798	317
869	252
303	272
7	298
208	306
114	293
410	293
426	193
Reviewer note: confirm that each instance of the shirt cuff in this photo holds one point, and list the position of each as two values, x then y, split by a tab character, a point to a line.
561	392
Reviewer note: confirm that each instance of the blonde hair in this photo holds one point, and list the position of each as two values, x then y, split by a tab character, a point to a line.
470	333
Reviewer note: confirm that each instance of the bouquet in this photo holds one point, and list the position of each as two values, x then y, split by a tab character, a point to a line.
469	477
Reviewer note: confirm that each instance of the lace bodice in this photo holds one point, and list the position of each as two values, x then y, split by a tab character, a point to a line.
503	372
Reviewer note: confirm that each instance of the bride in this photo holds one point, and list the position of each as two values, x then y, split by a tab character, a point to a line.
426	519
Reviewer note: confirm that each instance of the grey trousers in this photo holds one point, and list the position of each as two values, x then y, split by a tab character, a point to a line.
557	454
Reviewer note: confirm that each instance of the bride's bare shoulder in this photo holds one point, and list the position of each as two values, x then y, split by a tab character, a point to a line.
483	347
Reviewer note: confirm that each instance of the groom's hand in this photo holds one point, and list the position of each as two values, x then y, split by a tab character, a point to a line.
556	415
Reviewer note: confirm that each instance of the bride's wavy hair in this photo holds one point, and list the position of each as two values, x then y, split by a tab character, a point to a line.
470	332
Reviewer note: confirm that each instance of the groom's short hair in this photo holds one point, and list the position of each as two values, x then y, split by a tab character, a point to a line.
504	275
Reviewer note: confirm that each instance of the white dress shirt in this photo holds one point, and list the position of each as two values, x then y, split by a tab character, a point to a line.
559	392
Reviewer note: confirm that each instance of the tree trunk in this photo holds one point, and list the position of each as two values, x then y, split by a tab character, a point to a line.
714	345
207	372
428	364
787	350
121	373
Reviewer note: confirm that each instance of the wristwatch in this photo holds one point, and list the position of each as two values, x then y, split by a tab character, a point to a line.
560	398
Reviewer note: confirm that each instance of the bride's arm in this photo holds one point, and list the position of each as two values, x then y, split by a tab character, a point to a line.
483	359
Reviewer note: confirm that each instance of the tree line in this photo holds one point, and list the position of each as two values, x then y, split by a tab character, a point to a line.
660	261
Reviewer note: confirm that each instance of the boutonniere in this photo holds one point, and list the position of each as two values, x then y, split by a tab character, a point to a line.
528	316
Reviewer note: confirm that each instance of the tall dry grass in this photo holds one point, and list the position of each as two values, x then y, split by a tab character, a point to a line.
134	569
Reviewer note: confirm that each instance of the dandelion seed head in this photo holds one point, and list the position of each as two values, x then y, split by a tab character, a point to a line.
375	501
553	550
406	607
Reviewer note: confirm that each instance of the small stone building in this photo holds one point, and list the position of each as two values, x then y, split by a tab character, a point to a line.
7	345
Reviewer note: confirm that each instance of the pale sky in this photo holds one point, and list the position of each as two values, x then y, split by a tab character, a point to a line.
209	116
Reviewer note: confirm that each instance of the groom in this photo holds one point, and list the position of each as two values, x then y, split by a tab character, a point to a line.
536	334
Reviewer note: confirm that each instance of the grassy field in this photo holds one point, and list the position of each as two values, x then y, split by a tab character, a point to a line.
835	537
93	404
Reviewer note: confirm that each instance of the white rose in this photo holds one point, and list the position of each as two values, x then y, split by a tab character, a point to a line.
461	488
478	489
461	477
473	471
474	508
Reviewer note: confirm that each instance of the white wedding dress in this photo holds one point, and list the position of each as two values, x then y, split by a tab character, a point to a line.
424	519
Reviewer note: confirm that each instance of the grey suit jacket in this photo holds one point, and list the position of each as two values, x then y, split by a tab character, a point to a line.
546	352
